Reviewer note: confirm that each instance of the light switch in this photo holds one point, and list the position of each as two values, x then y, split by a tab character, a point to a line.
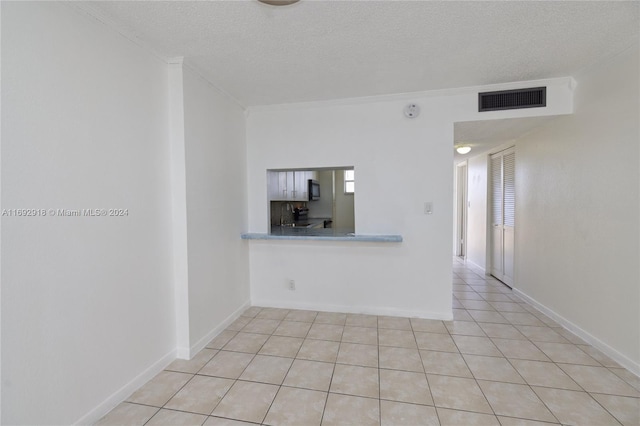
428	207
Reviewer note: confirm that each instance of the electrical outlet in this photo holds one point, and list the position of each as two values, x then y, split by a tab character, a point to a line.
292	285
428	207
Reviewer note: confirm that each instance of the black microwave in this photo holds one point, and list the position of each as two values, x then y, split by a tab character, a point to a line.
314	190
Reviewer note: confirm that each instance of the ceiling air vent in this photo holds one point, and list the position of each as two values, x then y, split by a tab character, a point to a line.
512	99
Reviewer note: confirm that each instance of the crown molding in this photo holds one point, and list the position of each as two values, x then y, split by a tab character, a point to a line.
456	91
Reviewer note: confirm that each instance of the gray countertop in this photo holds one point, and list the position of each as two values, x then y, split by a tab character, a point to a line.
320	234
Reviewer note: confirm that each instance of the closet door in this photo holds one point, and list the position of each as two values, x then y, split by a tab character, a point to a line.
503	212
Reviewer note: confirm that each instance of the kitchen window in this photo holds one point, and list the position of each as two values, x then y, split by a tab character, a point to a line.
349	181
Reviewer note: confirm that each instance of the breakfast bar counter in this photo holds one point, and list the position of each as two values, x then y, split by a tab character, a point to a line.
319	234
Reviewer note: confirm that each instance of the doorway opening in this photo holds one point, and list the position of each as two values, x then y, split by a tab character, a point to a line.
482	242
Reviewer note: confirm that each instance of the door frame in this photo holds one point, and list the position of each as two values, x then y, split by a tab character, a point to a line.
507	280
462	208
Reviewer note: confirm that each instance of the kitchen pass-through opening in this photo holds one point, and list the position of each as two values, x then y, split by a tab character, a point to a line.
311	201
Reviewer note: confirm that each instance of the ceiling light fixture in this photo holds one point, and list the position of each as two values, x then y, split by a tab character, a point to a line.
278	2
463	149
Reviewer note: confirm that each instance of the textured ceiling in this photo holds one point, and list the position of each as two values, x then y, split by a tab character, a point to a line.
485	135
319	50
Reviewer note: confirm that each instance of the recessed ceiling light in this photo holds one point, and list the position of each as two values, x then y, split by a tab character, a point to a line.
463	149
278	2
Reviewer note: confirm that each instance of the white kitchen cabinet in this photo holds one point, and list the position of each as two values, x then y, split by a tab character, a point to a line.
280	186
272	186
300	186
289	185
285	185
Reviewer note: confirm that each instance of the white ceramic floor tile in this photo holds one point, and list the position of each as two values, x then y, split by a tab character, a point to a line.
500	361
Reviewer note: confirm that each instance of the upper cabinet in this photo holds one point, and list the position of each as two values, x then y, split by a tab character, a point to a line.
300	186
289	185
273	185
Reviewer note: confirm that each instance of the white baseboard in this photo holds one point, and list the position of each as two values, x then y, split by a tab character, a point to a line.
612	353
200	344
183	353
116	398
394	312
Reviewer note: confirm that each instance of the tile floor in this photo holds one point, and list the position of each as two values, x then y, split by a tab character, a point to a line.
499	362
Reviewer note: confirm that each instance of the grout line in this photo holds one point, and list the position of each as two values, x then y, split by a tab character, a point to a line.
326	401
433	400
379	377
503	355
172	396
542	422
526	383
232	419
635	386
603	407
266	413
514	316
474	377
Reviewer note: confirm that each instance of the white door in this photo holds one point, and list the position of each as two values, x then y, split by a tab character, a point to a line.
503	212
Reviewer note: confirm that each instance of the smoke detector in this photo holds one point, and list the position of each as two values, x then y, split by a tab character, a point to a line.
412	110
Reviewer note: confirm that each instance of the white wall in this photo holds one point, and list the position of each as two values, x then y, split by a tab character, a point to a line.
216	196
576	253
87	302
85	124
577	209
398	162
401	163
